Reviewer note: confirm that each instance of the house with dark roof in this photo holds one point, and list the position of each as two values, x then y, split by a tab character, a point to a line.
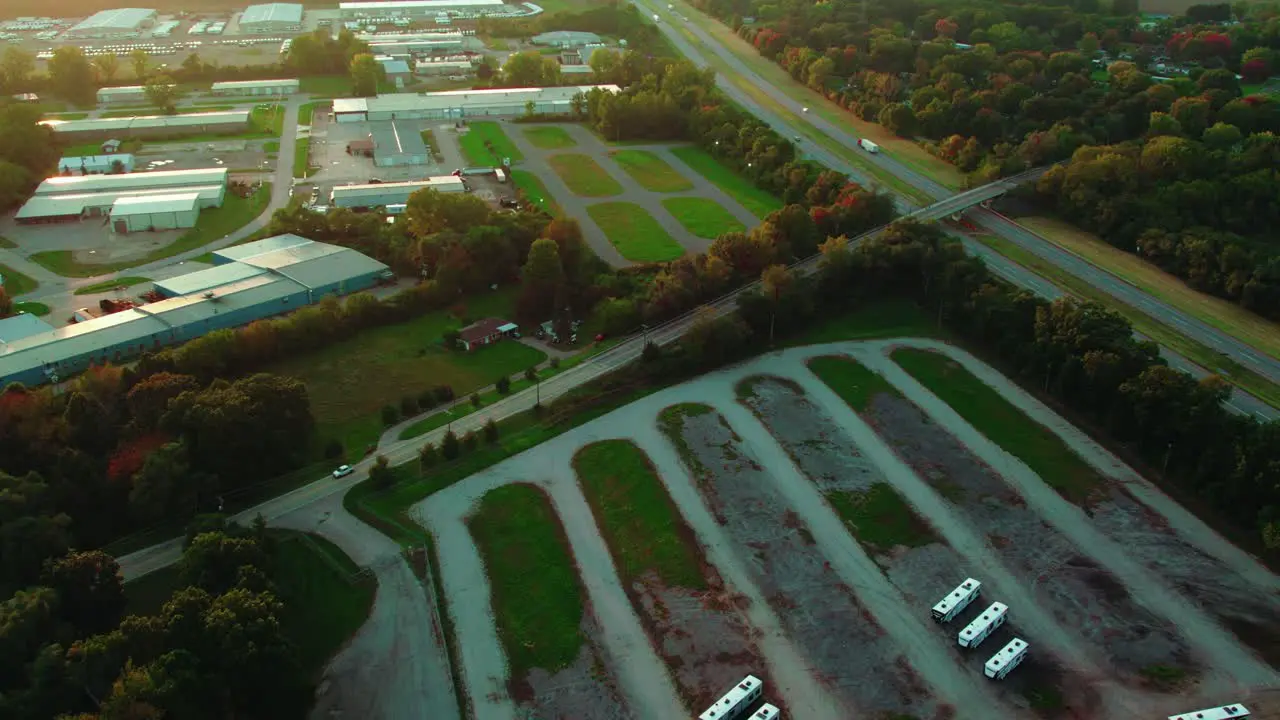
485	332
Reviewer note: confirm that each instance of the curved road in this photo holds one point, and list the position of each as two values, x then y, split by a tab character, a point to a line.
1211	337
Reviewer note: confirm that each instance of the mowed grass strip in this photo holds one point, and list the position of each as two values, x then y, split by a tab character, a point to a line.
702	217
756	201
1007	426
15	283
583	175
536	593
535	192
851	380
484	143
631	229
880	518
652	172
549	137
637	517
109	285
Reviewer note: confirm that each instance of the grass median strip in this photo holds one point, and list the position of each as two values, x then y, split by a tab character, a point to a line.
880	518
637	517
995	417
702	217
757	202
634	232
583	175
652	172
536	593
535	192
484	143
851	380
549	137
15	283
109	285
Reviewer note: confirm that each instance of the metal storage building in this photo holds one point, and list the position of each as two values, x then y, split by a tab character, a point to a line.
384	194
396	71
229	121
204	280
418	8
256	87
322	269
458	104
155	212
123	94
22	325
95	164
271	18
239	253
113	23
452	67
565	38
133	181
402	48
75	197
76	206
396	144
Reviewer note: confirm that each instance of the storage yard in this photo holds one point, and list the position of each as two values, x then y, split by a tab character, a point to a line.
766	469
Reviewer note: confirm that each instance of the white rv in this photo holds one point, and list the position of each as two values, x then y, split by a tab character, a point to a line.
736	701
956	601
982	626
1009	657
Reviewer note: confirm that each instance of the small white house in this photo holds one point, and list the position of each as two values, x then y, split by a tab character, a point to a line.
155	212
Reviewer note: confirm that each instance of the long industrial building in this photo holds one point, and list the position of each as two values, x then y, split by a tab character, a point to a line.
419	8
256	87
397	144
388	194
118	22
208	123
255	281
458	104
63	199
271	18
122	95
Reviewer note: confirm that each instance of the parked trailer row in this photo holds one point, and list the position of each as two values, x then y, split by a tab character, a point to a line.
959	599
1010	656
739	698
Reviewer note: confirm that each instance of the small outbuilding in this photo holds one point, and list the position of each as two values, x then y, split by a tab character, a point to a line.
155	212
485	332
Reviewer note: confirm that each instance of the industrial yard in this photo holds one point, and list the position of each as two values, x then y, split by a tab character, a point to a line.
759	554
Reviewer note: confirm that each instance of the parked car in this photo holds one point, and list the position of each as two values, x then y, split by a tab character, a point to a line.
343	471
509	203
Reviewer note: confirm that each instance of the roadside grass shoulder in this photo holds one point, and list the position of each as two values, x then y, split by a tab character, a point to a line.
758	202
15	283
301	157
483	135
109	285
549	137
652	172
536	593
634	232
583	175
214	223
639	521
307	112
1007	426
856	384
893	317
702	217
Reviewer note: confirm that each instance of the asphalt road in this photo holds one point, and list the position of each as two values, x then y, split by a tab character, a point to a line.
1210	337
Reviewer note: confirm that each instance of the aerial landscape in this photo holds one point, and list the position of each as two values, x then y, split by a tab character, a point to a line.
607	359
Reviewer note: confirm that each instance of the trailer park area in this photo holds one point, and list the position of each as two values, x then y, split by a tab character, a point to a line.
796	518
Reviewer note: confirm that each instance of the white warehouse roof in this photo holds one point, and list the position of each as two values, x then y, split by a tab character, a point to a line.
145	204
148	121
117	19
72	204
352	192
404	102
22	325
286	13
121	90
131	181
261	247
425	5
239	84
202	280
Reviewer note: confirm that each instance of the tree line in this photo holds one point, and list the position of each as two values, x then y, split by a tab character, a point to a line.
28	153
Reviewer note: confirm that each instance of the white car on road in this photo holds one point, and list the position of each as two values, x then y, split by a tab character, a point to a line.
343	471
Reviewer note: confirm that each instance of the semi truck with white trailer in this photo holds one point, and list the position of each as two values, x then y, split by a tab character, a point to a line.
869	146
956	601
982	626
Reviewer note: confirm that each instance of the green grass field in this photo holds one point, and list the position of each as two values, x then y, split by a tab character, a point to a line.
636	516
301	157
214	223
15	283
651	171
1007	426
583	175
65	116
326	85
880	518
6	243
351	381
38	309
535	192
851	380
635	233
307	111
874	319
475	151
537	596
109	285
549	137
702	217
756	201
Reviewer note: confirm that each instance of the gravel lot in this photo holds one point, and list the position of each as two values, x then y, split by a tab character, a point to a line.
584	690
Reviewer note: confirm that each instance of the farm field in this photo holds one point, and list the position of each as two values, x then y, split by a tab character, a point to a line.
824	487
583	175
634	232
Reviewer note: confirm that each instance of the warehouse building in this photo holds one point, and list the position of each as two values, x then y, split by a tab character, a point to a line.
210	123
256	87
119	22
96	164
387	194
271	18
396	71
419	8
427	44
67	199
145	213
396	144
452	67
123	95
458	104
565	39
22	325
274	277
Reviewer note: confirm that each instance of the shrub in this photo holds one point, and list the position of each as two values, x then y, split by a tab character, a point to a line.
470	441
333	449
531	374
475	399
449	448
444	393
428	456
491	431
555	362
408	406
390	415
503	385
381	474
427	400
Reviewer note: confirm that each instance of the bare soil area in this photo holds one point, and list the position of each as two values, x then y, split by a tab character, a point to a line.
848	651
924	573
586	689
1083	598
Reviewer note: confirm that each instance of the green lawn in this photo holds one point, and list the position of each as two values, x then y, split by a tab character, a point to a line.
132	145
326	85
15	283
307	111
462	409
880	518
301	157
756	201
266	119
1007	426
109	285
537	595
214	223
535	192
351	381
851	380
634	232
152	110
485	144
549	137
65	116
636	516
874	319
651	171
583	175
7	243
702	217
38	309
271	146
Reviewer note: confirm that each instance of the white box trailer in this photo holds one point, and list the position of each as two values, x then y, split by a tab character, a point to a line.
956	601
982	626
1009	657
1232	711
869	146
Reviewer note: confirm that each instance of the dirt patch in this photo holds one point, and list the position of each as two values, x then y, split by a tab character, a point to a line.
585	689
859	663
1082	597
